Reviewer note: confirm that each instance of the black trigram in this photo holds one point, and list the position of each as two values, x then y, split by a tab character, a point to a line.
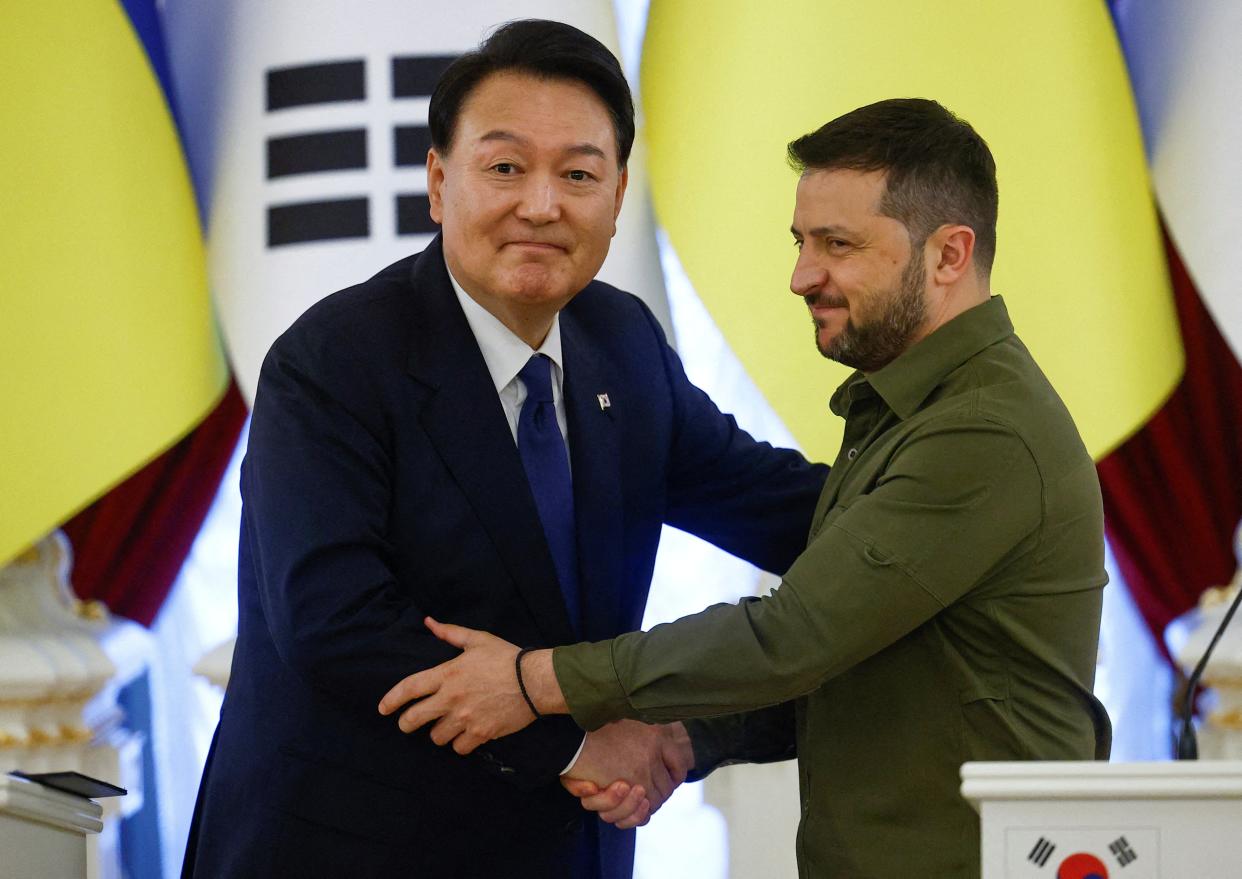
345	149
1122	851
1042	852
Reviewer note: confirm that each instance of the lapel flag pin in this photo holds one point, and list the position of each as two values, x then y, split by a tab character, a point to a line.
604	402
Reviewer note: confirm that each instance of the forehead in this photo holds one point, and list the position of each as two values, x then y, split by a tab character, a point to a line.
547	112
841	193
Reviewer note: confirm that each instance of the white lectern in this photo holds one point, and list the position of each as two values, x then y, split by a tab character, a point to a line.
1108	820
43	831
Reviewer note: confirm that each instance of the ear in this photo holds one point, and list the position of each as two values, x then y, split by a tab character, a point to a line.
950	253
435	184
622	182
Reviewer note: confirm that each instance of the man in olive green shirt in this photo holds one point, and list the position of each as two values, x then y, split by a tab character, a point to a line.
947	605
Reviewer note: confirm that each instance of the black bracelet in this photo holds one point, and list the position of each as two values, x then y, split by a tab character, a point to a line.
517	664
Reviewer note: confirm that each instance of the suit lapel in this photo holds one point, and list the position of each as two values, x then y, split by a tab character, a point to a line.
594	451
465	421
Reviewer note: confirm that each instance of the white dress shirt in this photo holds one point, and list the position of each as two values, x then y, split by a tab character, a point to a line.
505	354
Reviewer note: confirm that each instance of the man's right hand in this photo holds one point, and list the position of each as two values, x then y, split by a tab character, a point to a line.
628	769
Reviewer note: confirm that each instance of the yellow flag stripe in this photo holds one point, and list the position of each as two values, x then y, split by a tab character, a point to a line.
108	349
1079	259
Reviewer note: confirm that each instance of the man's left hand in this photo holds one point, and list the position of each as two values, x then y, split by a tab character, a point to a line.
473	698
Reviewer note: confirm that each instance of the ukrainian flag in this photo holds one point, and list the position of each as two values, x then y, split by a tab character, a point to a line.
108	350
1079	257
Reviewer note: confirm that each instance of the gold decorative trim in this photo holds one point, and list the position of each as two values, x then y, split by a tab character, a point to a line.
8	740
76	733
1217	595
40	736
60	699
94	611
1230	681
1226	719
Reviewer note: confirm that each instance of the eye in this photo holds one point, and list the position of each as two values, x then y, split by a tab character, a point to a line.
580	175
836	244
504	168
797	242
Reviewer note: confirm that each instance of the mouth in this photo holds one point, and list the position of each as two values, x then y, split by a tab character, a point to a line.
826	313
824	308
537	246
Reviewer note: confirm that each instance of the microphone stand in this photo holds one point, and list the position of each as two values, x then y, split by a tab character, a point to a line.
1187	743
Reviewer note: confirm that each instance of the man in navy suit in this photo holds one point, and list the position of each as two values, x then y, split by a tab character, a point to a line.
483	434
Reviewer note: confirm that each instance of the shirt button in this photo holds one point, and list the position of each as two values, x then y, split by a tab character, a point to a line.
852	454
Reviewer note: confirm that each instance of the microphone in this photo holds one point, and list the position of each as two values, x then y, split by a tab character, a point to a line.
1187	744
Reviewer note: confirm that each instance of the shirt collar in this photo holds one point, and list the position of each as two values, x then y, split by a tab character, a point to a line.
906	382
504	352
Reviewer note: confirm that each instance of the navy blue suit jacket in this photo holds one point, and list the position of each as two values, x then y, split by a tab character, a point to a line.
382	484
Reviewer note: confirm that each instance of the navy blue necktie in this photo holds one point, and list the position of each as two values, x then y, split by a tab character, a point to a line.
542	449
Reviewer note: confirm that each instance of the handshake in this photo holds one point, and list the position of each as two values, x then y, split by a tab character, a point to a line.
625	771
628	769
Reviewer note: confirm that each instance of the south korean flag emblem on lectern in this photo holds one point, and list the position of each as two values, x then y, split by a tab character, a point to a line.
1079	853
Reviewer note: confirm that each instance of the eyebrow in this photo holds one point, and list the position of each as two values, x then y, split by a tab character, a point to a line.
578	149
822	231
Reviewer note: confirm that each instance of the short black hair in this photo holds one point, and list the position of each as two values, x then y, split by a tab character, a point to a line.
545	49
937	168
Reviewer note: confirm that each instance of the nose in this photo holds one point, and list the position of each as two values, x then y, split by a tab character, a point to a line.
808	277
540	201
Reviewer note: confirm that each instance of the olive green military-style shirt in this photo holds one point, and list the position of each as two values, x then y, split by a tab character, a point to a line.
946	609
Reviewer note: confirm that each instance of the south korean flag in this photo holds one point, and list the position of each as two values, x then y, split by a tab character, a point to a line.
1081	853
307	130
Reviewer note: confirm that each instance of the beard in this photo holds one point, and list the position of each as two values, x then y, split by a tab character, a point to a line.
872	345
